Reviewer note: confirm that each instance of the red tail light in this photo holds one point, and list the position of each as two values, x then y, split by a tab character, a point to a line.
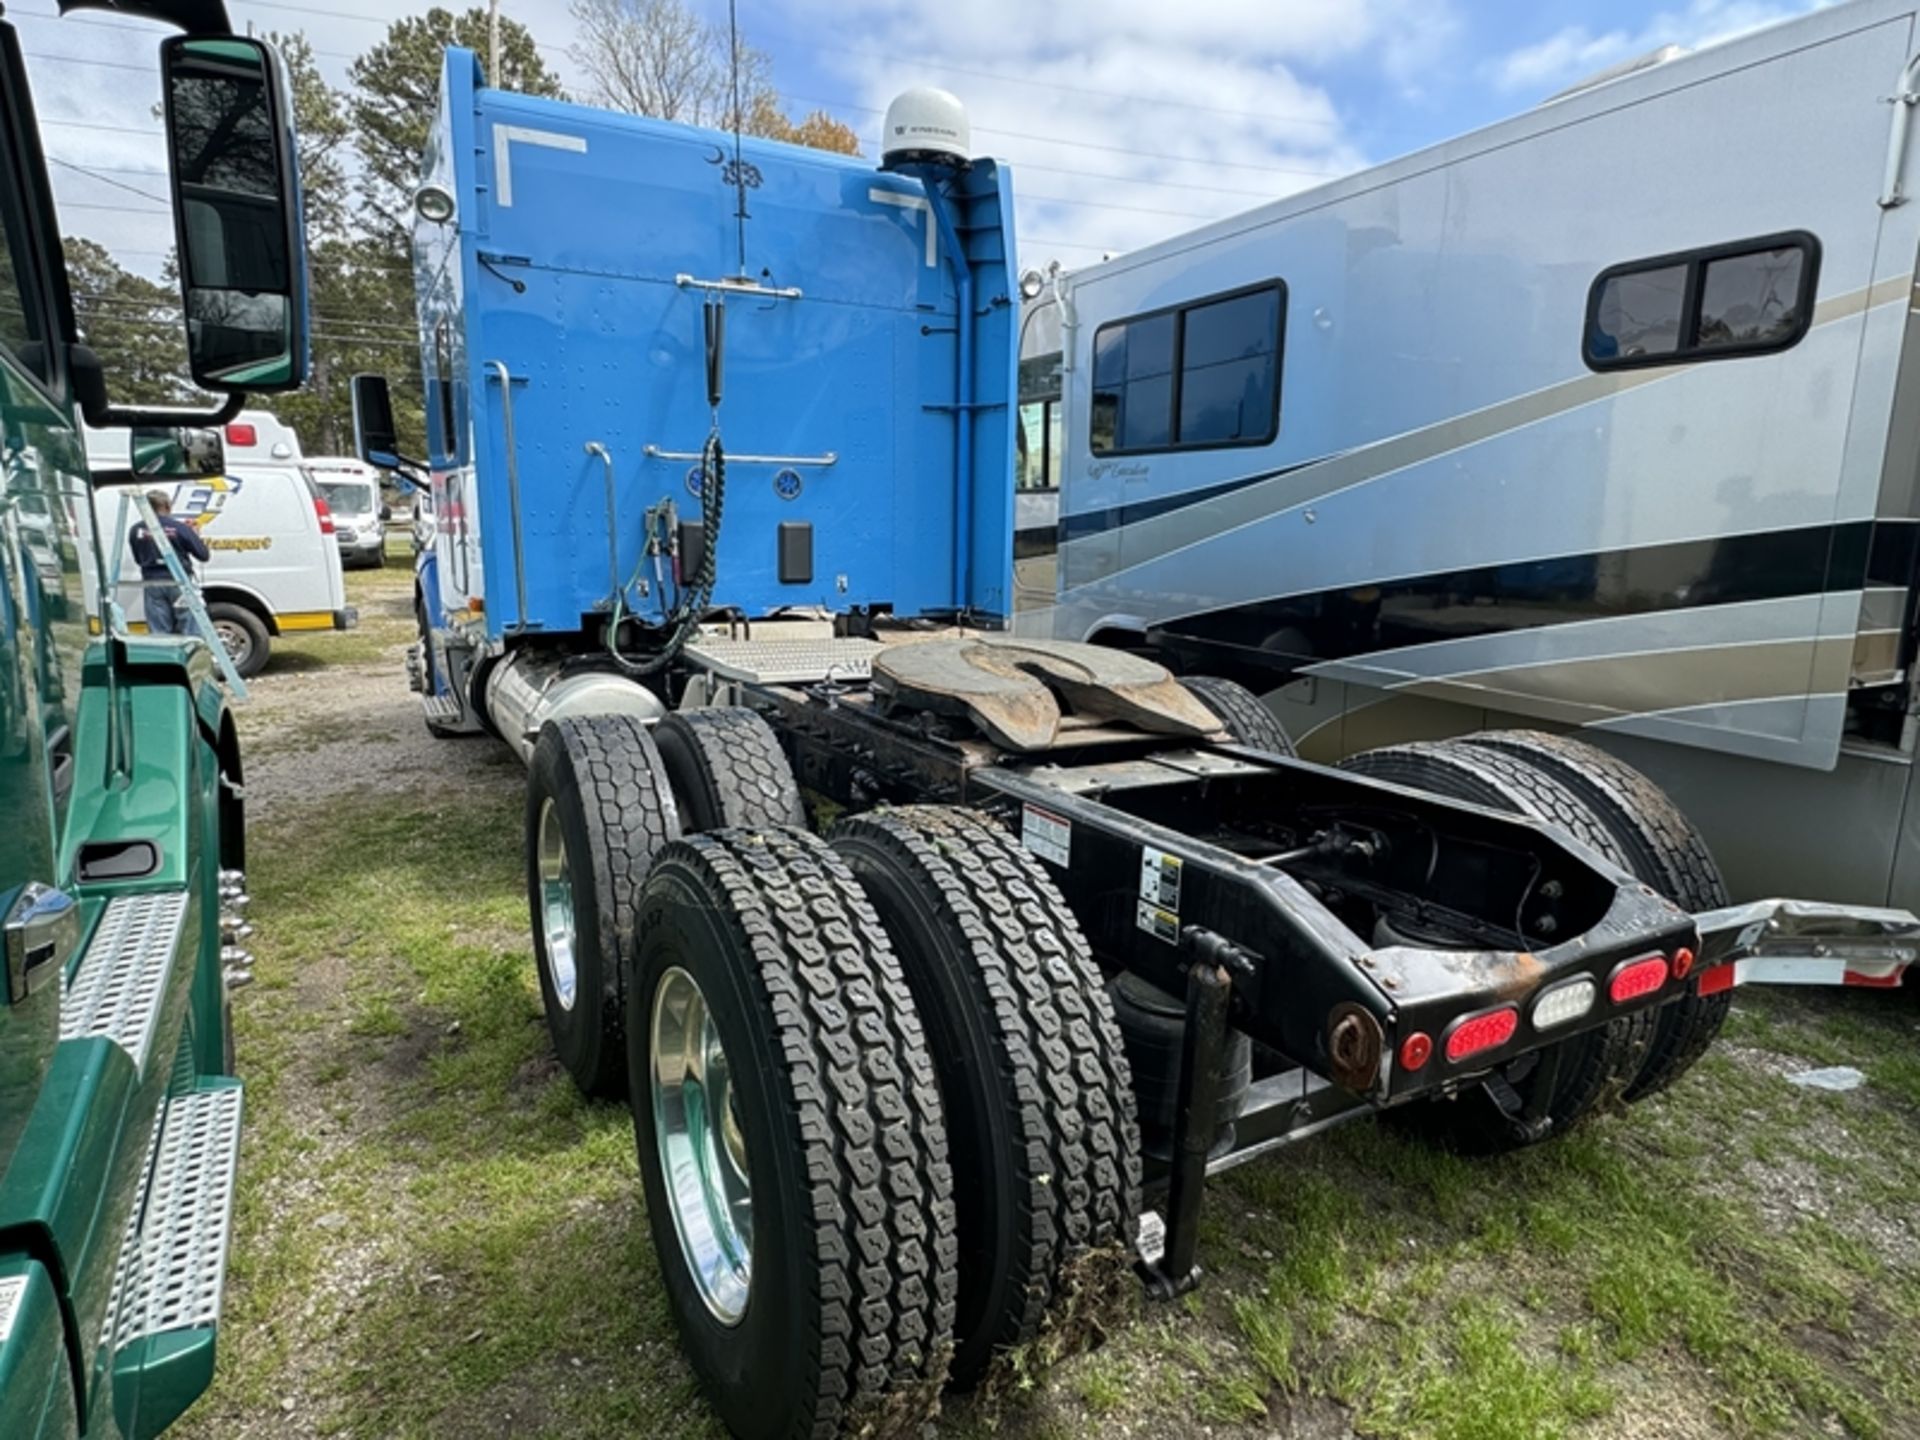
1637	979
1486	1031
1415	1050
241	433
325	512
1682	963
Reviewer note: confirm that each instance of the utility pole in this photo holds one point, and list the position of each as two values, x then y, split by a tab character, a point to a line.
493	43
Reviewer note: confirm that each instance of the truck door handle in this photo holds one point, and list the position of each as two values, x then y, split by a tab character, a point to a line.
42	929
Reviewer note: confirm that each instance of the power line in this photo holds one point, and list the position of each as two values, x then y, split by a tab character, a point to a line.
92	174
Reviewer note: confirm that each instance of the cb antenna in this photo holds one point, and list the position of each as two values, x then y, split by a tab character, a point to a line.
739	170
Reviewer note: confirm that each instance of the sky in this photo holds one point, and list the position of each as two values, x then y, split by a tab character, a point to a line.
1125	120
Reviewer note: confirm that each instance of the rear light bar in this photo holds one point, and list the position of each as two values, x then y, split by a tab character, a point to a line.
1488	1030
1564	1003
1636	979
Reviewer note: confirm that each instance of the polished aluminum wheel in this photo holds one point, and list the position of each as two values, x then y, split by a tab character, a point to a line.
703	1151
556	906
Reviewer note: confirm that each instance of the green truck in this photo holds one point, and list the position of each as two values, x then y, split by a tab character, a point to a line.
121	827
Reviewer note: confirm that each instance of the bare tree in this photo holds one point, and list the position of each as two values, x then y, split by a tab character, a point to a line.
657	58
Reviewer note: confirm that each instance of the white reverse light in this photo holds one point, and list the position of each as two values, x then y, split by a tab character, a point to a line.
1563	1003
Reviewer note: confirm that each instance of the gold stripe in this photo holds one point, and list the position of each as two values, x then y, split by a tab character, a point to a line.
306	620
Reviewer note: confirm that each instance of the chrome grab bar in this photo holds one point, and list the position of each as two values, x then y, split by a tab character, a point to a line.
654	452
594	447
499	367
741	286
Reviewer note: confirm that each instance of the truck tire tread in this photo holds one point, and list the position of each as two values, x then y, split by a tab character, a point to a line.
1597	1066
1242	713
617	780
1058	1124
876	1224
1666	850
728	770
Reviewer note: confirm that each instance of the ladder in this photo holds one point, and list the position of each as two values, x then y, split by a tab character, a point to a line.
189	588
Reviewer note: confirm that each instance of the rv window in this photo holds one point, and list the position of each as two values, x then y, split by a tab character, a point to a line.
1038	436
1750	299
1202	374
1640	313
1226	370
1746	298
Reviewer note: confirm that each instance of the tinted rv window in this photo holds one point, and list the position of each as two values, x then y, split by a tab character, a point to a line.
1196	375
1750	299
1746	298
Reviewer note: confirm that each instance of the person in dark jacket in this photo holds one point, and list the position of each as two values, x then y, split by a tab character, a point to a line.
162	595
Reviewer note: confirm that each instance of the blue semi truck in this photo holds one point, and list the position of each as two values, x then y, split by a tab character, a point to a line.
937	967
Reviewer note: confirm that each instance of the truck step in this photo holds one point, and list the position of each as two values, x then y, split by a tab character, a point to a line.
441	709
122	978
784	662
173	1259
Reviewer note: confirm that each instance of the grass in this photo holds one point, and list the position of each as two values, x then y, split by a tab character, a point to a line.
436	1237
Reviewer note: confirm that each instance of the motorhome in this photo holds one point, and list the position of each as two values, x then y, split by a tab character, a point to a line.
1605	417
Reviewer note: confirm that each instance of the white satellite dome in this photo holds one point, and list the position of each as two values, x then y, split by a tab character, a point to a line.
926	126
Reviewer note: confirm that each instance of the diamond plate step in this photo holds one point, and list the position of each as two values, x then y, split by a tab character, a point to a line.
173	1260
122	978
441	709
784	662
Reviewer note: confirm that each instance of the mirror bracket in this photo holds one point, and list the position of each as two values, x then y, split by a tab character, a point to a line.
90	394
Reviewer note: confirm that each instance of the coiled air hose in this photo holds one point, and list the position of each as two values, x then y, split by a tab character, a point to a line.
695	593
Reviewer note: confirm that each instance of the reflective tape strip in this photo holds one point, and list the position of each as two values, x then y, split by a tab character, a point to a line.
1802	970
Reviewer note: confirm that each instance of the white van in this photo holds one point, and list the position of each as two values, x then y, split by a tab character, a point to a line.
275	568
258	436
351	489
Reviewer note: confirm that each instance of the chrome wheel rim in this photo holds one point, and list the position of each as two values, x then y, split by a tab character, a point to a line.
556	907
239	644
703	1150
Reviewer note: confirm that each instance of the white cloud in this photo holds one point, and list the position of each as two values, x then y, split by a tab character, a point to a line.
1574	52
1135	119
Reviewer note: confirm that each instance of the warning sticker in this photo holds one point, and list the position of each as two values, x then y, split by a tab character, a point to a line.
1160	878
1047	835
1161	924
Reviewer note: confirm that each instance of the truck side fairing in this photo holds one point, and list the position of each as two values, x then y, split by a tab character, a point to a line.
556	292
1456	507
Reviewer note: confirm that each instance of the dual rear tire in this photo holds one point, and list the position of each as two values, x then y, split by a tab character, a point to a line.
1626	819
815	1039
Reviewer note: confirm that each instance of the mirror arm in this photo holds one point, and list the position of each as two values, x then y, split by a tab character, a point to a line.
90	394
130	415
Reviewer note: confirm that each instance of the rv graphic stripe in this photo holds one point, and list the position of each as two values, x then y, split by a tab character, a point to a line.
1287	632
1173	523
1094	522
